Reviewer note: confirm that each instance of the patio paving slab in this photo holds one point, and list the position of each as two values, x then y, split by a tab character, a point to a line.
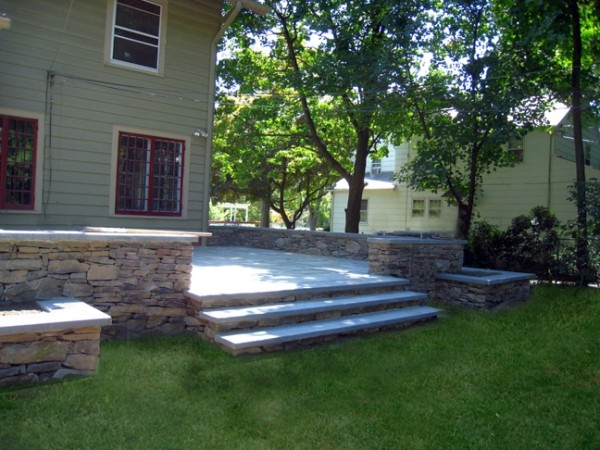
233	270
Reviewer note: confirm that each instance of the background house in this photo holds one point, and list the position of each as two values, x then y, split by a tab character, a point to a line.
391	206
106	112
541	177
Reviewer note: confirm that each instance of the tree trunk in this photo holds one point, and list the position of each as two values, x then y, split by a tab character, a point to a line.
581	253
265	213
356	182
313	210
463	224
354	202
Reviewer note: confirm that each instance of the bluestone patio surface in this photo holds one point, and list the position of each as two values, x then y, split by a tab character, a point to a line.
233	270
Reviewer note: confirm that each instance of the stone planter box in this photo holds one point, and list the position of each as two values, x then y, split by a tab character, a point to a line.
484	288
51	339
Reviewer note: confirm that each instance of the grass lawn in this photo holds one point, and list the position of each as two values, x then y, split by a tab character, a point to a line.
526	378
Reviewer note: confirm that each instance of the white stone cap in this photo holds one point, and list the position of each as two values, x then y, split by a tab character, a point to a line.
57	314
103	234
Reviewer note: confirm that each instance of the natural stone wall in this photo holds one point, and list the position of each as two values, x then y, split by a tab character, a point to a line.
32	357
320	243
140	283
418	260
483	296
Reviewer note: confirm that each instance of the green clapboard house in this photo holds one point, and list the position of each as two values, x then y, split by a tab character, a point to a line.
106	111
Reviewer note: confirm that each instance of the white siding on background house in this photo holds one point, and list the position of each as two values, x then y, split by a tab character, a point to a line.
542	179
390	203
86	98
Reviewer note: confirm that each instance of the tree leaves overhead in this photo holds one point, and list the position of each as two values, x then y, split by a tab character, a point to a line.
341	59
461	78
262	147
477	95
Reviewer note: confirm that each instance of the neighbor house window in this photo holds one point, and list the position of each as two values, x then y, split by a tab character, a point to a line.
375	166
418	208
18	137
149	175
435	208
137	34
364	215
515	148
431	208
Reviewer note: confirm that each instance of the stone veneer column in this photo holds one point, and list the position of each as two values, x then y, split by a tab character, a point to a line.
418	260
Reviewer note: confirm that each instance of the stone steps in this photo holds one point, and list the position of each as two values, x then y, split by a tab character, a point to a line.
287	336
292	295
276	324
302	311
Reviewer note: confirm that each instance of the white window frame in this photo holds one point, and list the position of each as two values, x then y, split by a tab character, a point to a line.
40	159
364	211
117	129
419	212
515	146
110	39
375	166
425	211
434	212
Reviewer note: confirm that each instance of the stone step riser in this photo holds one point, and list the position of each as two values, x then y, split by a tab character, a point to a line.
267	321
317	340
321	340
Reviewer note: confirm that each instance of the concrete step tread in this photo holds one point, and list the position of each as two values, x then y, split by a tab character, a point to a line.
277	294
286	333
230	315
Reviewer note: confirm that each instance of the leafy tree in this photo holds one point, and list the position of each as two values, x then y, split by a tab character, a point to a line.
563	39
347	55
592	195
261	147
475	97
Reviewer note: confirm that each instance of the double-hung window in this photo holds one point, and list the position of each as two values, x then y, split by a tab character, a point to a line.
149	175
364	211
137	34
375	167
18	154
515	148
430	208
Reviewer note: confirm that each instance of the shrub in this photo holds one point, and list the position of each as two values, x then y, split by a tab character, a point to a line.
483	245
529	244
532	243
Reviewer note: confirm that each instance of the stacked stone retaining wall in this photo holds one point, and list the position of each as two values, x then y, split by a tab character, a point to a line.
33	357
140	283
319	243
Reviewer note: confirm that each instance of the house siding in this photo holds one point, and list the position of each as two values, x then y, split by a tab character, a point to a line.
542	179
391	210
88	98
513	191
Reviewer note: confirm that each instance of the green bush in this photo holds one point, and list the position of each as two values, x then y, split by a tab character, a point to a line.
530	244
485	240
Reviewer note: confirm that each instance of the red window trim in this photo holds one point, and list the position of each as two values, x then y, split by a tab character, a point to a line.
4	205
150	188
